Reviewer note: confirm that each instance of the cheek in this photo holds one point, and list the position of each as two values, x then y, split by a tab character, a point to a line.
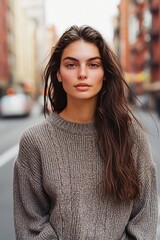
67	81
99	79
67	76
99	82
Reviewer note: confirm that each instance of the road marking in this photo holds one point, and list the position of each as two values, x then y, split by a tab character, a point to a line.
8	155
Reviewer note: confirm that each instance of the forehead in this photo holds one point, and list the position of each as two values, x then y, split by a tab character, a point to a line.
81	49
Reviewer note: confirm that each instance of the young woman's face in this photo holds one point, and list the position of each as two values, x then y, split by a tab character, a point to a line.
81	71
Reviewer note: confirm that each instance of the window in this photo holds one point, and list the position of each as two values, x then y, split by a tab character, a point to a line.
133	30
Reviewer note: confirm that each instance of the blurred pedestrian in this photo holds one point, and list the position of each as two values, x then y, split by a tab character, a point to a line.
86	171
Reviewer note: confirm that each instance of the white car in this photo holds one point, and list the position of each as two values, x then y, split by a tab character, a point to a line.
18	104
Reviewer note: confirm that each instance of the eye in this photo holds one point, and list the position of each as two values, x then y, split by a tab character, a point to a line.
71	65
93	65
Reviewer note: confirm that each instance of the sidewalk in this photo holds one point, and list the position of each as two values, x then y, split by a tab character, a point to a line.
151	123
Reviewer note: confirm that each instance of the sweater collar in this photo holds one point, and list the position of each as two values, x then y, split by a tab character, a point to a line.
72	127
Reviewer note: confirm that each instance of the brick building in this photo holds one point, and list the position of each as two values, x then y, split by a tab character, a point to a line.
155	40
134	37
4	65
137	38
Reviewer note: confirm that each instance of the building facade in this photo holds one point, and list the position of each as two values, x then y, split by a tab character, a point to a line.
26	49
22	31
134	37
137	37
35	11
155	40
6	44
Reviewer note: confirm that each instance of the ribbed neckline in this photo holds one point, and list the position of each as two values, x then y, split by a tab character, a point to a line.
72	127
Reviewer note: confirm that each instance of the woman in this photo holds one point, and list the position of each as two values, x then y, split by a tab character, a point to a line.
86	171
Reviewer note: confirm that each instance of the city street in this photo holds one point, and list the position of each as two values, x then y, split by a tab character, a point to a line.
10	132
46	46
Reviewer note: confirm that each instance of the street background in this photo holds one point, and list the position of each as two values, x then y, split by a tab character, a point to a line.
29	29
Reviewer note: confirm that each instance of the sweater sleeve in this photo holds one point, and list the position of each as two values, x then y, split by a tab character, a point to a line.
31	203
143	220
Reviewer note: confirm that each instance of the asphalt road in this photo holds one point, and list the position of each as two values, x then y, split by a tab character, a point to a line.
6	200
10	131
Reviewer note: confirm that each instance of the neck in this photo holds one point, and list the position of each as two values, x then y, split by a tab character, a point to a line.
79	111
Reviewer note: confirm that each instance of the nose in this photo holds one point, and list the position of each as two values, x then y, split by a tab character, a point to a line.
82	73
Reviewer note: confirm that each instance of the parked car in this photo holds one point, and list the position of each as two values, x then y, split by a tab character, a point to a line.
15	104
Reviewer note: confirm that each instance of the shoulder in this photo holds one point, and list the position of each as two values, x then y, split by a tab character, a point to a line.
35	139
138	134
36	131
140	146
32	143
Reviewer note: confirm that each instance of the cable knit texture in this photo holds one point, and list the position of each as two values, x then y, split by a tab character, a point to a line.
59	191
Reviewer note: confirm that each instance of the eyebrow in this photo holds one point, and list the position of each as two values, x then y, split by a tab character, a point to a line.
74	59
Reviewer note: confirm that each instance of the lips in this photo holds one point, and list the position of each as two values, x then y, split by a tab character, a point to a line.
82	87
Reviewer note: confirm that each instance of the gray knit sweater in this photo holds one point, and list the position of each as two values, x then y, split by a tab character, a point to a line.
58	190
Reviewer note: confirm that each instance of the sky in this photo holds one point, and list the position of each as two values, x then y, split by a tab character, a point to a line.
98	14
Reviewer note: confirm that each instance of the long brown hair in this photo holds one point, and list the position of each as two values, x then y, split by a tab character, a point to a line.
112	116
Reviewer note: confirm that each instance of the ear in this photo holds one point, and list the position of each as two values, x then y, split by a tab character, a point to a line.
59	77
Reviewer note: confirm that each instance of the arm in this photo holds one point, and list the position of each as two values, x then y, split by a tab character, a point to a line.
143	220
31	203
